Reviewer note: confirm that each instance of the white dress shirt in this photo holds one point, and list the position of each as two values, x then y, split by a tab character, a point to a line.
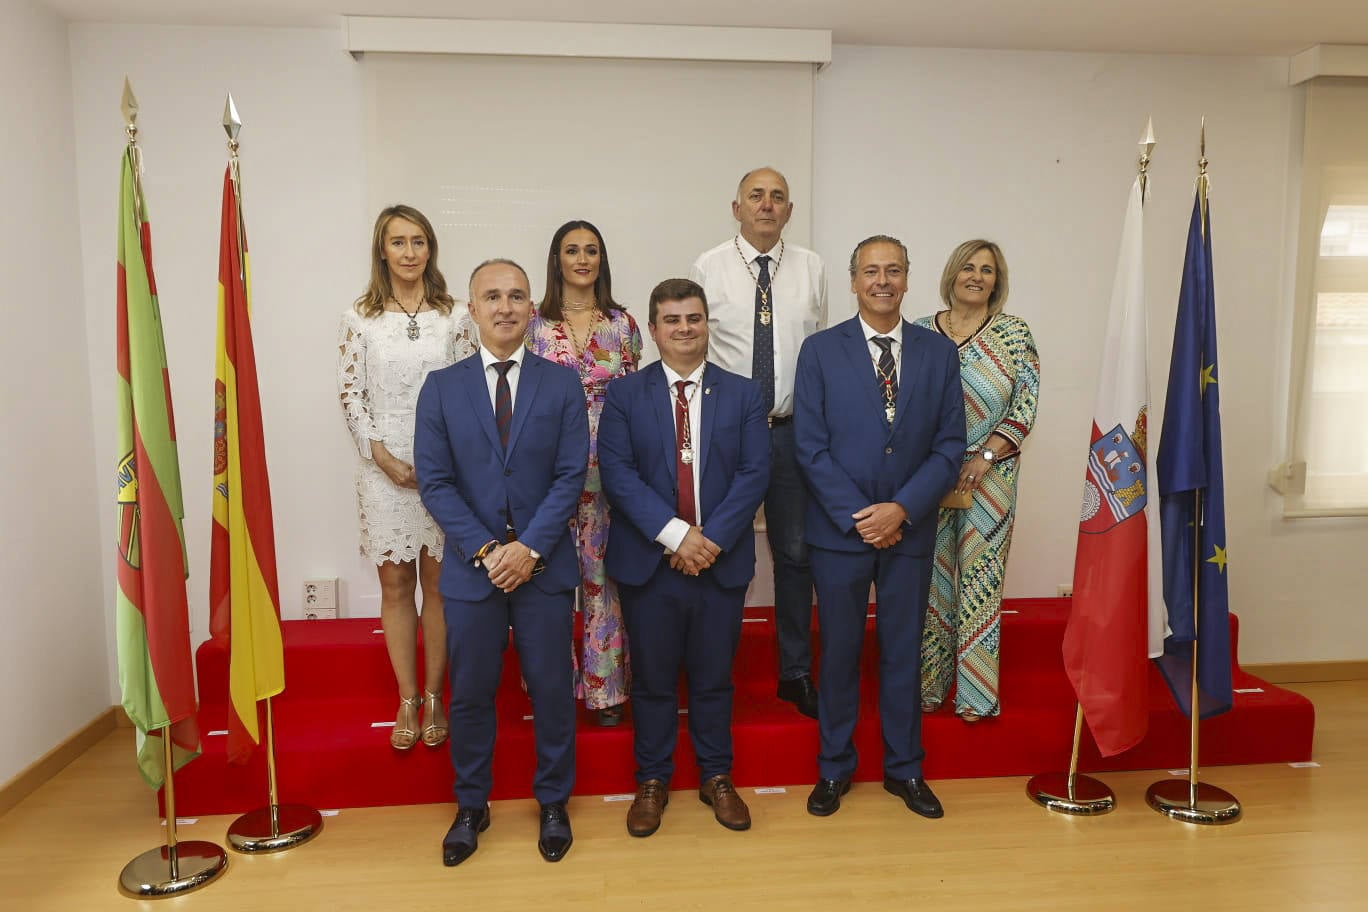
672	536
798	296
492	374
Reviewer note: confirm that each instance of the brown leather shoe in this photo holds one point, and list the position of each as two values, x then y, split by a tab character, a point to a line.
643	817
727	805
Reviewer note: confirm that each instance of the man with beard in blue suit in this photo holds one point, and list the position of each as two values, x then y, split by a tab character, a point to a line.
684	454
879	422
501	445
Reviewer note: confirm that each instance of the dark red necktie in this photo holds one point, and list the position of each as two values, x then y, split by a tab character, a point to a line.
684	470
503	401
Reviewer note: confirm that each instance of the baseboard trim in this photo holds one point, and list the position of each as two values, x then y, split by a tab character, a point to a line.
1308	672
55	760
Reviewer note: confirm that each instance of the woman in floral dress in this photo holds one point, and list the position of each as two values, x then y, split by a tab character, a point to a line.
579	325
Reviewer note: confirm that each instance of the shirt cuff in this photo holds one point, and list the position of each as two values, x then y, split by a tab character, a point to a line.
672	536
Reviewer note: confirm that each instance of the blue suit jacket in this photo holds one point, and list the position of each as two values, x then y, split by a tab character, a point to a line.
466	479
846	449
638	463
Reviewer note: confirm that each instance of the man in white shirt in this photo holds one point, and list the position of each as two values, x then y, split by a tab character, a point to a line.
684	456
766	297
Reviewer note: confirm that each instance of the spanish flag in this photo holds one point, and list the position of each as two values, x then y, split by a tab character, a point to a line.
244	597
152	616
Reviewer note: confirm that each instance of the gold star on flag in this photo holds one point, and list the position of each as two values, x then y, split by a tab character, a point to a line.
1218	558
1207	379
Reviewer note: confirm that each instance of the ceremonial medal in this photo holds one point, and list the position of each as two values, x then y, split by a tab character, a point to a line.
413	328
764	318
890	411
686	456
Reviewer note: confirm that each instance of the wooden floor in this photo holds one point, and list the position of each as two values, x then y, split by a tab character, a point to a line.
1302	845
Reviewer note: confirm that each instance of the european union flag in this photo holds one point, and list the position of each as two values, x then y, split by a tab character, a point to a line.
1192	490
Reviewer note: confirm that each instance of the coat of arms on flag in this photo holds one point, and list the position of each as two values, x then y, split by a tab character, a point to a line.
1114	489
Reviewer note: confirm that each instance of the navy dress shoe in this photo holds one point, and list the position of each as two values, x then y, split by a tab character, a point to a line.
463	838
556	837
917	795
801	693
825	799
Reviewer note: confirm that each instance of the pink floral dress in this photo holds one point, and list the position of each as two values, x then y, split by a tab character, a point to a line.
614	349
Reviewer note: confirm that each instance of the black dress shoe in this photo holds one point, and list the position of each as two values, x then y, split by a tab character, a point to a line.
555	837
825	799
916	794
463	838
801	694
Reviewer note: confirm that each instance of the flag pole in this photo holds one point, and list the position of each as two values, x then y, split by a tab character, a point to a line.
1190	800
1071	793
177	867
275	827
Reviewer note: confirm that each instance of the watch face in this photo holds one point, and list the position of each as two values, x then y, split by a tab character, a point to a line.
989	455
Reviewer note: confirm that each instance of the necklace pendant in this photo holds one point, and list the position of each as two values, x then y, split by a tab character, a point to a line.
686	456
890	412
413	329
765	318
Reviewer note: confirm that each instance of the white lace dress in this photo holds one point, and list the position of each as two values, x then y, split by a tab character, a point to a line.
379	372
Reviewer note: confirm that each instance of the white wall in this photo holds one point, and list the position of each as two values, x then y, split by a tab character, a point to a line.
1037	151
1034	149
52	651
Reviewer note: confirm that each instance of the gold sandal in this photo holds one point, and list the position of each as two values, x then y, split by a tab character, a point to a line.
404	737
434	733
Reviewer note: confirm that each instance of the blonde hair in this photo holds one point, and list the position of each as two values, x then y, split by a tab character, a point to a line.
378	291
963	254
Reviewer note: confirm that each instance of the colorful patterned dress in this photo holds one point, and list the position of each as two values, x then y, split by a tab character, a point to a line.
1000	370
614	349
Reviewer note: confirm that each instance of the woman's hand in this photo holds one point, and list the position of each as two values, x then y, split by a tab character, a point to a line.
971	475
399	472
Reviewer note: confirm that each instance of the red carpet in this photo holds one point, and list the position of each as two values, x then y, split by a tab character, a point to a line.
339	682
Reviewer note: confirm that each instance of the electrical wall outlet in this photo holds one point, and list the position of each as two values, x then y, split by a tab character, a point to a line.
320	599
1064	590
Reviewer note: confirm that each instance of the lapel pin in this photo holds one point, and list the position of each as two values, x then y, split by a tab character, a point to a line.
707	391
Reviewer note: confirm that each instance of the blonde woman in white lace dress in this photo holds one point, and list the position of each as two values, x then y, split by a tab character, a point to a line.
401	329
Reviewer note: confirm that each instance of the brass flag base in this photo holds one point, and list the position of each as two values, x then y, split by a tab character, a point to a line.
274	828
172	871
1182	800
1065	794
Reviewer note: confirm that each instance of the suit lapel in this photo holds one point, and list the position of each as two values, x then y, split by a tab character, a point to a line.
661	404
530	377
711	398
908	369
477	389
856	348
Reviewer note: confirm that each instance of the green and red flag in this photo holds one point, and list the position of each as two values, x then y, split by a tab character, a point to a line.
152	616
244	597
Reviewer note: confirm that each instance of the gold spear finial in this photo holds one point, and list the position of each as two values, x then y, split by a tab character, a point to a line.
1202	161
129	106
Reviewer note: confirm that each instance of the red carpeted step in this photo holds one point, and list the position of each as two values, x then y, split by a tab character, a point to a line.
330	754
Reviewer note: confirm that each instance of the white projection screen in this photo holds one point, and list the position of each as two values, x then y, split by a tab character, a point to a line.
499	151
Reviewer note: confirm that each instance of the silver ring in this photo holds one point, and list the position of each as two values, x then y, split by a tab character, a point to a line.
971	477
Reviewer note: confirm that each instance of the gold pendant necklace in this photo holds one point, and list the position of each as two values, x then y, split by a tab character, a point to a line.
766	314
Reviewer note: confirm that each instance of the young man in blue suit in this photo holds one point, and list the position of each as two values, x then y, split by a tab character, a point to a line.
500	449
684	455
879	423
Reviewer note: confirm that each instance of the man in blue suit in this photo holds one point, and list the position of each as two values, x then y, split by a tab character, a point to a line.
500	448
684	456
879	423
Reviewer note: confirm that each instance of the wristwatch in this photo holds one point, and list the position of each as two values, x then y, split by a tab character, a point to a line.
988	454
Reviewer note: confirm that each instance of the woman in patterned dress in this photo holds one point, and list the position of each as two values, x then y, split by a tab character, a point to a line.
1000	370
402	328
579	325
